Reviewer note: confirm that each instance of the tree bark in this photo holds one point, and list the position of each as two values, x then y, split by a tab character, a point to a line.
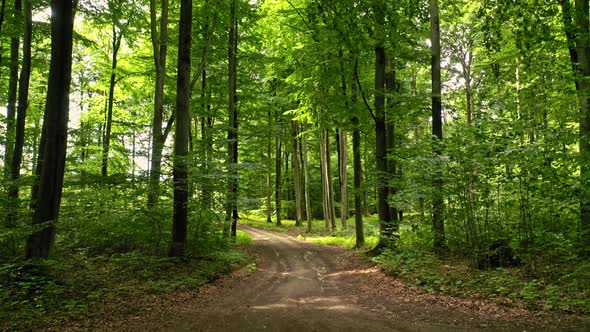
332	209
324	175
12	94
437	200
232	134
47	190
160	50
358	189
306	179
278	179
116	45
390	86
343	170
182	132
269	172
23	102
297	174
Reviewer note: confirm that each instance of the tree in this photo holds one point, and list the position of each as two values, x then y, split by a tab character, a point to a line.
182	131
231	215
47	189
437	201
118	29
578	35
160	47
12	92
386	231
21	111
296	172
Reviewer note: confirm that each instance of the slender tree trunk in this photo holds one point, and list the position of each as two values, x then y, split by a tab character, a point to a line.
232	134
23	102
12	94
208	140
332	208
269	172
47	190
182	132
297	174
116	44
278	179
160	50
358	189
324	175
390	87
381	148
343	177
438	225
306	180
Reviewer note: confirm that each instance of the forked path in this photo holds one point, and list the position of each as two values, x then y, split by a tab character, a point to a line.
298	286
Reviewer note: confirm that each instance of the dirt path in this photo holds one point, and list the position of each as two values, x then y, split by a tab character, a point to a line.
298	286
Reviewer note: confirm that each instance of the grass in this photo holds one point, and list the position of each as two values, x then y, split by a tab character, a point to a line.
319	234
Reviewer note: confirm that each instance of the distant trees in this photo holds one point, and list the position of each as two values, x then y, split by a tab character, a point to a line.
513	164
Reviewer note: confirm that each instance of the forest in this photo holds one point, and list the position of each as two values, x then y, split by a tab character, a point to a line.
145	144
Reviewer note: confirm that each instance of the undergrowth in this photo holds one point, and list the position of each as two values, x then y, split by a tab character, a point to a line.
119	250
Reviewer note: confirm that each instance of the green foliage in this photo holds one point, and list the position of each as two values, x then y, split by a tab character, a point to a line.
454	276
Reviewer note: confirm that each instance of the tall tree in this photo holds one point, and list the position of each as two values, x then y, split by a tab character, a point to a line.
578	36
438	225
160	49
379	8
182	131
12	91
296	173
278	164
21	111
232	133
47	190
306	177
118	29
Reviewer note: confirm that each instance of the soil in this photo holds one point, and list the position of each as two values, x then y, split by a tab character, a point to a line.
298	286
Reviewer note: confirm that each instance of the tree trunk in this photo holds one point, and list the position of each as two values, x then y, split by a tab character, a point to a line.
232	134
358	189
182	132
23	102
343	170
269	172
332	209
583	55
278	179
12	94
390	87
306	180
438	226
324	175
297	174
47	190
116	44
160	49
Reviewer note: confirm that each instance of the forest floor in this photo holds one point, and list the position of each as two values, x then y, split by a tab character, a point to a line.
297	286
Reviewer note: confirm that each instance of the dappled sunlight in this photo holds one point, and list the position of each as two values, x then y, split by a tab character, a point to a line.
334	303
354	272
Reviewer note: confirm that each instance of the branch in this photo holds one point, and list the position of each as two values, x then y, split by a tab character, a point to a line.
299	14
169	125
204	57
358	81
